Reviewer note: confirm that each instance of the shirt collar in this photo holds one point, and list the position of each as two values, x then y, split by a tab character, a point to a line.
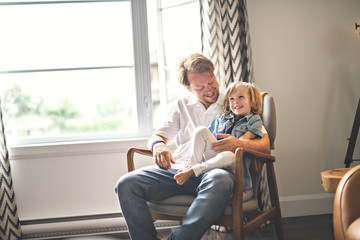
192	99
231	116
220	100
249	116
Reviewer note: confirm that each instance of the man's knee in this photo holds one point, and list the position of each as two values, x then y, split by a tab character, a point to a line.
223	176
125	184
220	179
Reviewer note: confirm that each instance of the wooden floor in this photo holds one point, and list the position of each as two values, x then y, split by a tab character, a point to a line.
317	227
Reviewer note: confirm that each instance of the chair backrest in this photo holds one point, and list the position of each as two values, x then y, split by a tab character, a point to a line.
268	116
346	202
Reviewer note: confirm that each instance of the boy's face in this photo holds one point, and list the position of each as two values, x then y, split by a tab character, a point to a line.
239	101
204	86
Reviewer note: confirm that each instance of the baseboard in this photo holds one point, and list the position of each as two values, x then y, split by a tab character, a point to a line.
59	228
304	205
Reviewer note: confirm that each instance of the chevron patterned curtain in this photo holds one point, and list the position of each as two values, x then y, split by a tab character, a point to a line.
226	39
9	221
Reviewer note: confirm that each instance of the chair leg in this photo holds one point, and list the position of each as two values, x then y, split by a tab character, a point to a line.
279	228
237	234
274	195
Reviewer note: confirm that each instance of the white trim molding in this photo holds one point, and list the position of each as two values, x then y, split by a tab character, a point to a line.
303	205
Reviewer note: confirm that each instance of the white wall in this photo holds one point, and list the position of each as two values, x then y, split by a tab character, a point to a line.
306	54
68	180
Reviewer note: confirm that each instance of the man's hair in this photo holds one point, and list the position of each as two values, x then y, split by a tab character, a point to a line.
195	63
255	97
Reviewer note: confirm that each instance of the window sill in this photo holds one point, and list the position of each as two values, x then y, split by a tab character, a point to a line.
63	149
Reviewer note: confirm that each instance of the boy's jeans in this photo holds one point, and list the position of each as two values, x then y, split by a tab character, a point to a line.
213	190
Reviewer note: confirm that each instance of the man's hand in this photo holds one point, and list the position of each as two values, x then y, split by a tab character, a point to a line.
162	156
228	143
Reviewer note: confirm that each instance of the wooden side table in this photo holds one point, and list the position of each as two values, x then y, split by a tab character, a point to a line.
331	178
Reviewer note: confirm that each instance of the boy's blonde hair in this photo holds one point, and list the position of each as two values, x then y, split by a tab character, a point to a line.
255	97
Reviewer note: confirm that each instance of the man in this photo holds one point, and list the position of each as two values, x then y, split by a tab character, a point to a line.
212	189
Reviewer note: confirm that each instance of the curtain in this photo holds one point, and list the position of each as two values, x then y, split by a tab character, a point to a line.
226	39
9	221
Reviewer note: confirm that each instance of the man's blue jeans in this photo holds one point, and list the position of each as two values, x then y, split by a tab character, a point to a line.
213	190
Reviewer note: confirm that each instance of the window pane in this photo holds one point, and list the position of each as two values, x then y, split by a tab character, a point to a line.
182	33
67	69
48	36
181	36
69	102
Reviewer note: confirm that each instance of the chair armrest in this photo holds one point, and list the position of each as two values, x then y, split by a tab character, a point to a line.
130	156
266	157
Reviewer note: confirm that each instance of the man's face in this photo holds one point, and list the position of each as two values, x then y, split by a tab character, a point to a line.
204	86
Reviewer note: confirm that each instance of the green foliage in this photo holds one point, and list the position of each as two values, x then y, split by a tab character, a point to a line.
17	103
64	118
94	126
62	113
109	107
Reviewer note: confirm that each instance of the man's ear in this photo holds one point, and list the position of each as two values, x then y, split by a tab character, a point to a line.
189	88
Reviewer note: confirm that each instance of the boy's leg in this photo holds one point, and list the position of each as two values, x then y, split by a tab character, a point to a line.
225	160
184	174
201	146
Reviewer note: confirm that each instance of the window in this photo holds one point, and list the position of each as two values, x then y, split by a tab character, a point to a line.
78	70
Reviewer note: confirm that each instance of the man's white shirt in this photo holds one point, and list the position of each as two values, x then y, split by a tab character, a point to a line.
180	127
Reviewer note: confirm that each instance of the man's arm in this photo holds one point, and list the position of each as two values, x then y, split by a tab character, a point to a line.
249	135
161	153
230	143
